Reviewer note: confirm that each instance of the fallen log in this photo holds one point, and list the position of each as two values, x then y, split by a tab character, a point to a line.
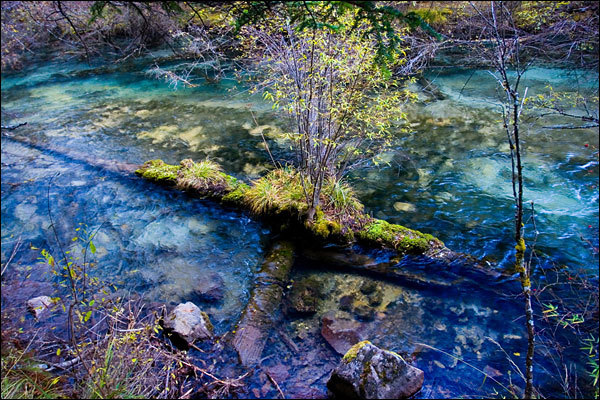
207	180
257	318
278	196
121	168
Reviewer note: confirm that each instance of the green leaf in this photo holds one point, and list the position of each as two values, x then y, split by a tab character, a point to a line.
92	247
87	316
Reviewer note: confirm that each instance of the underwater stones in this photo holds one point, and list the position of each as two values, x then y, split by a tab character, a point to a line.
38	305
368	286
186	324
405	207
304	297
210	287
347	302
368	372
362	302
164	233
340	330
373	292
25	211
364	312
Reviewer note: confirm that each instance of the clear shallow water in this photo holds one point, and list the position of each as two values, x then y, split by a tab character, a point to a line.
451	178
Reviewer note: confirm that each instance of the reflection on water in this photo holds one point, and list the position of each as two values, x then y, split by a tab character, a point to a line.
450	177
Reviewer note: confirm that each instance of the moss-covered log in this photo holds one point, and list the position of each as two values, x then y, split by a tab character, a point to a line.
257	319
279	194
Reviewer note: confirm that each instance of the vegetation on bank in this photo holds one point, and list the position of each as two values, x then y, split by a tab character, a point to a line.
280	195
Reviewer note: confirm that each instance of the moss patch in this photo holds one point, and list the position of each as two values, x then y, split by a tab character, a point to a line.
353	351
158	171
237	195
323	226
397	237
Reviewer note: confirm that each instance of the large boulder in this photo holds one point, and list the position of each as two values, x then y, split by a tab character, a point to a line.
186	324
340	330
38	305
368	372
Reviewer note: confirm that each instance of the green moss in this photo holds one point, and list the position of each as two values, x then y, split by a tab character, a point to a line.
209	325
402	239
158	171
353	351
236	196
322	226
281	192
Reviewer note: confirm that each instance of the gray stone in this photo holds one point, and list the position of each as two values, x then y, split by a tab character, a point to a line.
368	372
38	305
186	324
340	330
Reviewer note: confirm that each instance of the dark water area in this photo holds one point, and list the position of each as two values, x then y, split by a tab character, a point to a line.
450	177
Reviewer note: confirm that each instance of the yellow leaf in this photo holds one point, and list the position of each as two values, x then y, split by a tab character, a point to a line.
517	354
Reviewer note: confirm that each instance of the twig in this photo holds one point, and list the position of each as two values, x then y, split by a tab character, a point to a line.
265	142
15	249
276	385
466	363
11	127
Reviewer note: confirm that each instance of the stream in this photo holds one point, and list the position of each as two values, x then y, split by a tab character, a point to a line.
450	177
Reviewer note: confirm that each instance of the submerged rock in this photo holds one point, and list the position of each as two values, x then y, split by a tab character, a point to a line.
38	305
347	302
364	312
210	287
186	324
368	372
340	330
305	296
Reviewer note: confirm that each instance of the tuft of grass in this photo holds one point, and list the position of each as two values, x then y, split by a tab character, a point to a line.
340	198
279	191
129	361
21	379
202	176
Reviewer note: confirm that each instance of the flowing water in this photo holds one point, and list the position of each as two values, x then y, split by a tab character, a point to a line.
449	177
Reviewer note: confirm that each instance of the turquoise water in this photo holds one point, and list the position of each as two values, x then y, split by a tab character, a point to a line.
449	177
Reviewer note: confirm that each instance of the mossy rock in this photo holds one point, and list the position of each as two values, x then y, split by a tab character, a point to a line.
400	238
